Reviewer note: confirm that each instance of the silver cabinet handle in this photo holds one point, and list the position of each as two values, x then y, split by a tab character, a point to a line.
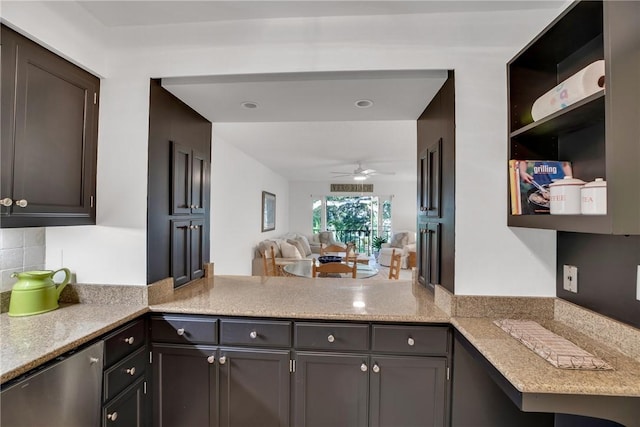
363	367
180	331
253	335
376	368
222	360
22	203
129	340
211	359
192	206
6	202
113	416
131	371
331	338
411	341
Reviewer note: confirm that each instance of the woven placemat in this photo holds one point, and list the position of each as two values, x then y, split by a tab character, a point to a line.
555	349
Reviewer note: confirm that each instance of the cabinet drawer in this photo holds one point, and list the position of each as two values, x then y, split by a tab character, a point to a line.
123	342
411	339
331	336
118	377
256	333
127	409
184	329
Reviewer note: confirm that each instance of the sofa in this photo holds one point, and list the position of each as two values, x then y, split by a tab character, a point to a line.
403	242
306	247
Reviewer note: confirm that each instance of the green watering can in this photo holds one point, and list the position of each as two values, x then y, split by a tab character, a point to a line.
35	292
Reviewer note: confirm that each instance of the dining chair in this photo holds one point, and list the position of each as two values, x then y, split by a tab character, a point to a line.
334	268
269	263
332	249
394	267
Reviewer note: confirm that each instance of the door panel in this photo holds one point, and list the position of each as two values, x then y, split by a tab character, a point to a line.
408	391
199	172
197	248
180	247
331	390
254	388
181	180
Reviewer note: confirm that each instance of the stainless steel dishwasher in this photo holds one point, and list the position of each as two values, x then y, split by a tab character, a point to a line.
66	394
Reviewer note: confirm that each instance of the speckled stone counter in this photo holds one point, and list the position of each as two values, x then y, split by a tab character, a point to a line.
345	299
29	341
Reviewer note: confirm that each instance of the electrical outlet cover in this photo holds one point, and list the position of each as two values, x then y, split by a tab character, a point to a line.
570	278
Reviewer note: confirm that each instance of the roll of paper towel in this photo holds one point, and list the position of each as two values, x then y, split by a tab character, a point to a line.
585	82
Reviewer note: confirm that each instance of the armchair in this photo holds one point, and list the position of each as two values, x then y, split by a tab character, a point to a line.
403	242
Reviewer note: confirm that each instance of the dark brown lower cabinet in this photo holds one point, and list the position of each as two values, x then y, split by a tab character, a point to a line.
128	409
408	391
185	379
429	258
254	387
331	389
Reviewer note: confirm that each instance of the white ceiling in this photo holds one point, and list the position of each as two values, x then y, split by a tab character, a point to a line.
306	124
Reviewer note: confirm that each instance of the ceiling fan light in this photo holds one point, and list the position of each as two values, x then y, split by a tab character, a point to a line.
359	177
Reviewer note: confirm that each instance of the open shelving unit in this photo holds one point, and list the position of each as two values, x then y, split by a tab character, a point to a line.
599	135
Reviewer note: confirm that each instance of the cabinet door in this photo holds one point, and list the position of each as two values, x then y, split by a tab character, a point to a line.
128	409
430	183
254	387
408	391
50	171
180	180
185	385
331	390
199	182
196	255
180	251
430	258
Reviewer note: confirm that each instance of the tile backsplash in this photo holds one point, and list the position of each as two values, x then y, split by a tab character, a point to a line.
21	249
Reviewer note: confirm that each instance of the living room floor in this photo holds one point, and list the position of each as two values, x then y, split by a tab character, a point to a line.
383	272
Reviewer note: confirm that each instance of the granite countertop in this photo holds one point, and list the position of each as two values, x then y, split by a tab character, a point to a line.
30	341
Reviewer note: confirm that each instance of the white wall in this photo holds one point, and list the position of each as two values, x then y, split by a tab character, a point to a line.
490	258
237	182
403	208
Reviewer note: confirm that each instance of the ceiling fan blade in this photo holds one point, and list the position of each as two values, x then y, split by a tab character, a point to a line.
340	175
368	171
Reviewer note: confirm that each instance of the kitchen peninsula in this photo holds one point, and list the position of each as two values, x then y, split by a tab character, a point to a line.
537	385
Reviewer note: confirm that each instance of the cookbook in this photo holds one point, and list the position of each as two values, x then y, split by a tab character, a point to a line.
529	184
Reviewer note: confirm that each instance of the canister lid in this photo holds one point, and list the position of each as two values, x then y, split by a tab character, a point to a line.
598	182
568	180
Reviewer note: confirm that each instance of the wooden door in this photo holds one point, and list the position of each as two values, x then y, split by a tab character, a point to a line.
408	391
331	390
254	387
185	386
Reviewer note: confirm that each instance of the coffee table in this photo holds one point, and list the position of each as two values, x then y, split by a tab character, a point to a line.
302	268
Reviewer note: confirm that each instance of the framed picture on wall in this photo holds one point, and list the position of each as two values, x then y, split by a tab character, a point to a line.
268	211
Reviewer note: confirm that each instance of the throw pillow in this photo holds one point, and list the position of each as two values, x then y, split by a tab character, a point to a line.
326	237
289	251
399	240
297	245
266	244
305	245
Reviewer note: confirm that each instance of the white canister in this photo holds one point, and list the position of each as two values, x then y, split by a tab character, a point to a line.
565	196
593	197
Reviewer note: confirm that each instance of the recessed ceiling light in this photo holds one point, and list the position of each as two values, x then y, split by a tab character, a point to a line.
249	105
364	103
360	177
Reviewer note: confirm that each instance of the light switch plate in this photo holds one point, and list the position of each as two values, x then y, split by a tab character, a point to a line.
570	278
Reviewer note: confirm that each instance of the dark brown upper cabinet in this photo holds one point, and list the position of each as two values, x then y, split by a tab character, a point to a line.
431	180
599	134
49	137
190	174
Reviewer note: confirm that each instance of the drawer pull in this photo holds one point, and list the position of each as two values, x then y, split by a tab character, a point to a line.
113	416
331	338
363	367
22	203
131	371
253	335
411	341
129	340
222	360
180	331
211	359
6	202
376	368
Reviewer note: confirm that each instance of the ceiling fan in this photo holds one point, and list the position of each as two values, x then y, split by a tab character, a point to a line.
360	174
